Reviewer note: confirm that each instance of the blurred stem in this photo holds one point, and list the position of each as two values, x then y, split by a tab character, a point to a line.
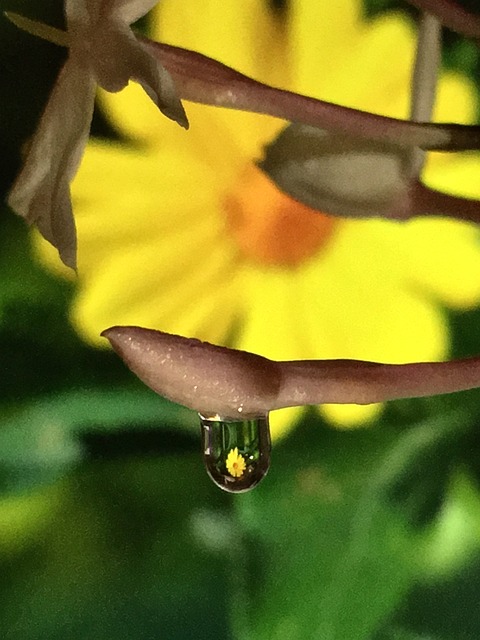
424	80
367	523
443	204
240	600
239	596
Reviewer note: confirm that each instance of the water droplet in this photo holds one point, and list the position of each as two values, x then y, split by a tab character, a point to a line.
236	452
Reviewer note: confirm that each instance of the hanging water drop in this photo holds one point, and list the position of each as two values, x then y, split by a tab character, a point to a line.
236	452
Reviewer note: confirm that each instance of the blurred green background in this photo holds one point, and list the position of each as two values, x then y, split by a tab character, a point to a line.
109	526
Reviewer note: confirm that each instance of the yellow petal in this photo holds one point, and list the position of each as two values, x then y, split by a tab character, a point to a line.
246	35
157	283
321	34
455	100
371	76
226	32
445	259
360	301
458	176
272	319
348	416
382	77
138	192
283	421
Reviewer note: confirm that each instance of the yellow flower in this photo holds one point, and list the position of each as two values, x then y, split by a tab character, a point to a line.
235	463
179	231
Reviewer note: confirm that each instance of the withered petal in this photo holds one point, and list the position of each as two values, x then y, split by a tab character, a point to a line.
118	57
351	177
336	173
89	12
41	193
129	11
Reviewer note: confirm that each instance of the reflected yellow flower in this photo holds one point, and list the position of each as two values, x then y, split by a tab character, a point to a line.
179	230
235	463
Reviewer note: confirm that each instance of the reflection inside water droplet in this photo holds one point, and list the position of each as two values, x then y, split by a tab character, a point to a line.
236	452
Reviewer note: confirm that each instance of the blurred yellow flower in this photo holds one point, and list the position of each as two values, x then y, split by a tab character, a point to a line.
181	232
235	463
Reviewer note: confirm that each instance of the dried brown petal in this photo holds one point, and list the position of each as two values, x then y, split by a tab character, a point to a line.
41	193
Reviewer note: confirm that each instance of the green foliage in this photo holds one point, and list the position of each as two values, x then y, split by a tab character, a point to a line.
110	528
115	557
340	541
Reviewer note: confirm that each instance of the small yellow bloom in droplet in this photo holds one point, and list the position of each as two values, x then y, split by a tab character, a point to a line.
235	463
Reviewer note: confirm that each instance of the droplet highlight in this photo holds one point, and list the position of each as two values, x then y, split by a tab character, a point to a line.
236	452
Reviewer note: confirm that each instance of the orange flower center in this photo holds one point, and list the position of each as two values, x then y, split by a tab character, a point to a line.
271	228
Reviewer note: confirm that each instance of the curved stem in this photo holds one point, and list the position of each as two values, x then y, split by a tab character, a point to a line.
358	382
208	378
206	81
436	203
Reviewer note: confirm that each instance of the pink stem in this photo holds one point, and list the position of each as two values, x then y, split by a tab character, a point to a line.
434	203
354	381
212	379
206	81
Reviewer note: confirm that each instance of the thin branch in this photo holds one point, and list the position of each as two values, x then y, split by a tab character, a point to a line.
452	15
424	199
206	81
355	381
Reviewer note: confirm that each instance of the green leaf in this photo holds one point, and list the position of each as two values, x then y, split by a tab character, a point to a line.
43	440
117	557
327	553
454	538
